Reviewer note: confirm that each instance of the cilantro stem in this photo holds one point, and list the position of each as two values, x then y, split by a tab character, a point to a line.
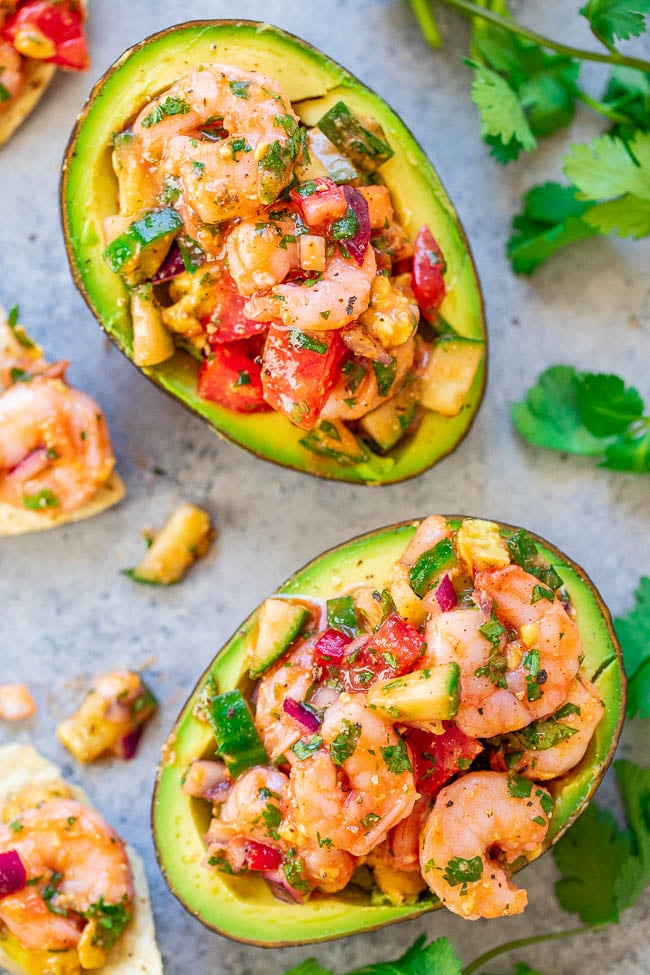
473	10
603	109
521	943
427	23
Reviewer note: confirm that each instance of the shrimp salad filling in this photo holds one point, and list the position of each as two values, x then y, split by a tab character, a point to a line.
66	890
403	741
47	31
271	252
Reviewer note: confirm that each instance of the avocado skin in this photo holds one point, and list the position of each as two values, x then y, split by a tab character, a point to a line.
89	194
243	908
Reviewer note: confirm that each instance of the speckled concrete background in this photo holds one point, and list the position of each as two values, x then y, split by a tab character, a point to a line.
67	613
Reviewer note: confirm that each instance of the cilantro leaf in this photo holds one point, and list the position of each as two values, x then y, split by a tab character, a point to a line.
582	413
634	786
633	630
606	405
628	94
550	416
607	167
501	112
420	959
551	219
591	856
610	19
606	869
627	216
309	966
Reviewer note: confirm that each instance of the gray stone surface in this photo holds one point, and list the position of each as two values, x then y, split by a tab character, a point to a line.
66	612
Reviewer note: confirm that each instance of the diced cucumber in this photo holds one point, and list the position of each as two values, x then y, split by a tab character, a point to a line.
342	615
331	438
152	343
448	375
423	695
430	565
366	149
279	623
238	740
140	250
388	423
324	160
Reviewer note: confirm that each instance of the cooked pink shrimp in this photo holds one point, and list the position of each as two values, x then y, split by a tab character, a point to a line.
55	451
549	763
11	69
16	702
342	404
253	808
291	677
475	816
230	177
259	253
543	626
430	531
17	357
352	794
403	841
339	296
74	857
485	709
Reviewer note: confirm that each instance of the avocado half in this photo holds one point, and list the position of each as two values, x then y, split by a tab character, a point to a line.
243	907
314	83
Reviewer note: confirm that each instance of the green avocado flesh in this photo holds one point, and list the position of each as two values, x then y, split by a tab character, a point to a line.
243	907
314	84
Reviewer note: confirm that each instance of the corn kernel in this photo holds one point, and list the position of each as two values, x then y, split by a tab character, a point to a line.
529	634
90	955
31	43
480	546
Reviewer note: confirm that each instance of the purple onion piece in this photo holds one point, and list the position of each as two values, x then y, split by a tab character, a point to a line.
302	715
31	465
13	876
128	745
172	266
446	594
282	889
358	245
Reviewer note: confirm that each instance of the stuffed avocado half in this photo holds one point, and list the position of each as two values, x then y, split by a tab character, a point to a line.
379	399
364	640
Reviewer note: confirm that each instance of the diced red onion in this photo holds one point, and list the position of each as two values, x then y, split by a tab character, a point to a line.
302	715
358	245
13	876
172	266
127	746
446	594
31	465
282	889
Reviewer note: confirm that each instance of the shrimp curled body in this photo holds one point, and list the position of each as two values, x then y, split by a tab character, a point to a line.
65	840
471	818
53	443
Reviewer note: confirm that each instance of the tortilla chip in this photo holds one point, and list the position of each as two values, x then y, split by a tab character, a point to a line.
16	521
136	953
37	77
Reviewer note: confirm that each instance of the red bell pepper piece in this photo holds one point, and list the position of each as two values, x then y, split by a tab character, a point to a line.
259	856
390	652
329	649
49	31
428	273
436	758
319	201
227	322
231	377
299	370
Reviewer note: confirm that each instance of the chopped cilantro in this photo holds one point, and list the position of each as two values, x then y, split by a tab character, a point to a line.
303	749
243	378
370	820
170	106
302	340
272	817
397	758
461	871
111	920
346	226
292	868
40	500
541	592
239	88
345	742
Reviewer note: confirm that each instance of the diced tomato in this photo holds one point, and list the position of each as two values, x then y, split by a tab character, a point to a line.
299	370
49	30
428	273
320	201
330	648
390	652
231	377
259	856
227	321
436	758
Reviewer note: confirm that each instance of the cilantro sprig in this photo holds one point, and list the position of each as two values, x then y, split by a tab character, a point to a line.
592	414
527	86
633	630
